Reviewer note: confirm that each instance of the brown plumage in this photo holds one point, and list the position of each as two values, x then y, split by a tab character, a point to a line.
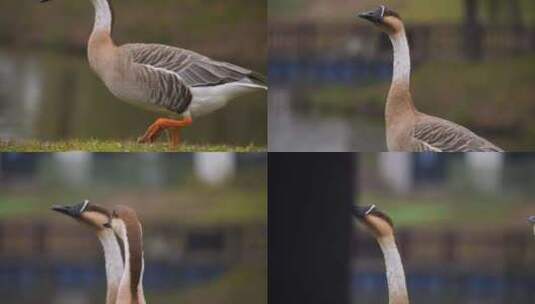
135	246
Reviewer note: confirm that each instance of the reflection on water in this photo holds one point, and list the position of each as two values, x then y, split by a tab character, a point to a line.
294	127
52	97
71	284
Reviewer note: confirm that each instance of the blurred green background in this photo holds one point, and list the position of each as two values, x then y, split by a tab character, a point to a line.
204	220
48	92
473	63
461	223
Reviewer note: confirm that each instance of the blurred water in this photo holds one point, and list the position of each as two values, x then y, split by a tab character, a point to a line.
294	125
54	96
58	283
370	288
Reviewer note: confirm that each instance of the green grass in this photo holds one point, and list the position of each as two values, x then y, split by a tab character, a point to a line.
94	145
469	211
193	204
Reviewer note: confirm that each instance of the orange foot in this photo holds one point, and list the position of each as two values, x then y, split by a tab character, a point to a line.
161	124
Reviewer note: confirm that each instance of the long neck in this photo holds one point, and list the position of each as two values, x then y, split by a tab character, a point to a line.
103	17
131	286
399	99
395	275
402	60
114	263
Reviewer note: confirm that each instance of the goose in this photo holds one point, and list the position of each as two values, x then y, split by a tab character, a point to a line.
97	218
381	226
407	129
127	227
178	84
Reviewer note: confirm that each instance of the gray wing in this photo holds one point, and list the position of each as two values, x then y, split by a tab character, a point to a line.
194	69
164	89
435	134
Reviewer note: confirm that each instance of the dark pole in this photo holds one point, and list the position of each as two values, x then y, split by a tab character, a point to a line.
310	197
473	32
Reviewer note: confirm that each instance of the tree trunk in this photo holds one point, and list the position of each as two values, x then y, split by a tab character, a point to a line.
310	198
473	32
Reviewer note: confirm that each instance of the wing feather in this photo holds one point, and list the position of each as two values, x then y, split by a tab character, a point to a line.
435	134
194	69
164	89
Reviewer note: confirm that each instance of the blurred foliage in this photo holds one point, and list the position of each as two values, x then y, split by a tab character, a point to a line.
480	96
216	28
176	195
95	145
456	201
196	206
418	11
441	210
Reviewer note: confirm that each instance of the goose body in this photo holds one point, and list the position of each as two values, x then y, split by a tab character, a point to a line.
407	129
175	82
380	225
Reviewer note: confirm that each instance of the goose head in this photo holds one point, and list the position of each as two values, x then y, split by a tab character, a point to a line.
122	218
378	222
90	214
385	19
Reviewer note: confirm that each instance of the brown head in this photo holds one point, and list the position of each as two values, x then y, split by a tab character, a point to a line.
90	214
385	19
378	222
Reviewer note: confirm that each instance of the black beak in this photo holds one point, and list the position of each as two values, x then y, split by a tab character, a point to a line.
375	16
361	212
43	1
72	211
531	219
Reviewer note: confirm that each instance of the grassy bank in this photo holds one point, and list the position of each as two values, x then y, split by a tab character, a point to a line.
420	211
115	146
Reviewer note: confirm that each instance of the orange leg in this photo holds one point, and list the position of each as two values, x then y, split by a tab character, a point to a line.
161	124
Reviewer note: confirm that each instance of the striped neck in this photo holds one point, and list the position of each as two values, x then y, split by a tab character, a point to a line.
103	16
402	60
131	286
395	275
114	263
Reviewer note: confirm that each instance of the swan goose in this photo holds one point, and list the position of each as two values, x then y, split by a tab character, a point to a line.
171	81
407	129
381	226
97	218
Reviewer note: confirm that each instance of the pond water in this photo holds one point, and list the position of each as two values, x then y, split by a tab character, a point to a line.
297	124
371	288
85	283
55	96
297	127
